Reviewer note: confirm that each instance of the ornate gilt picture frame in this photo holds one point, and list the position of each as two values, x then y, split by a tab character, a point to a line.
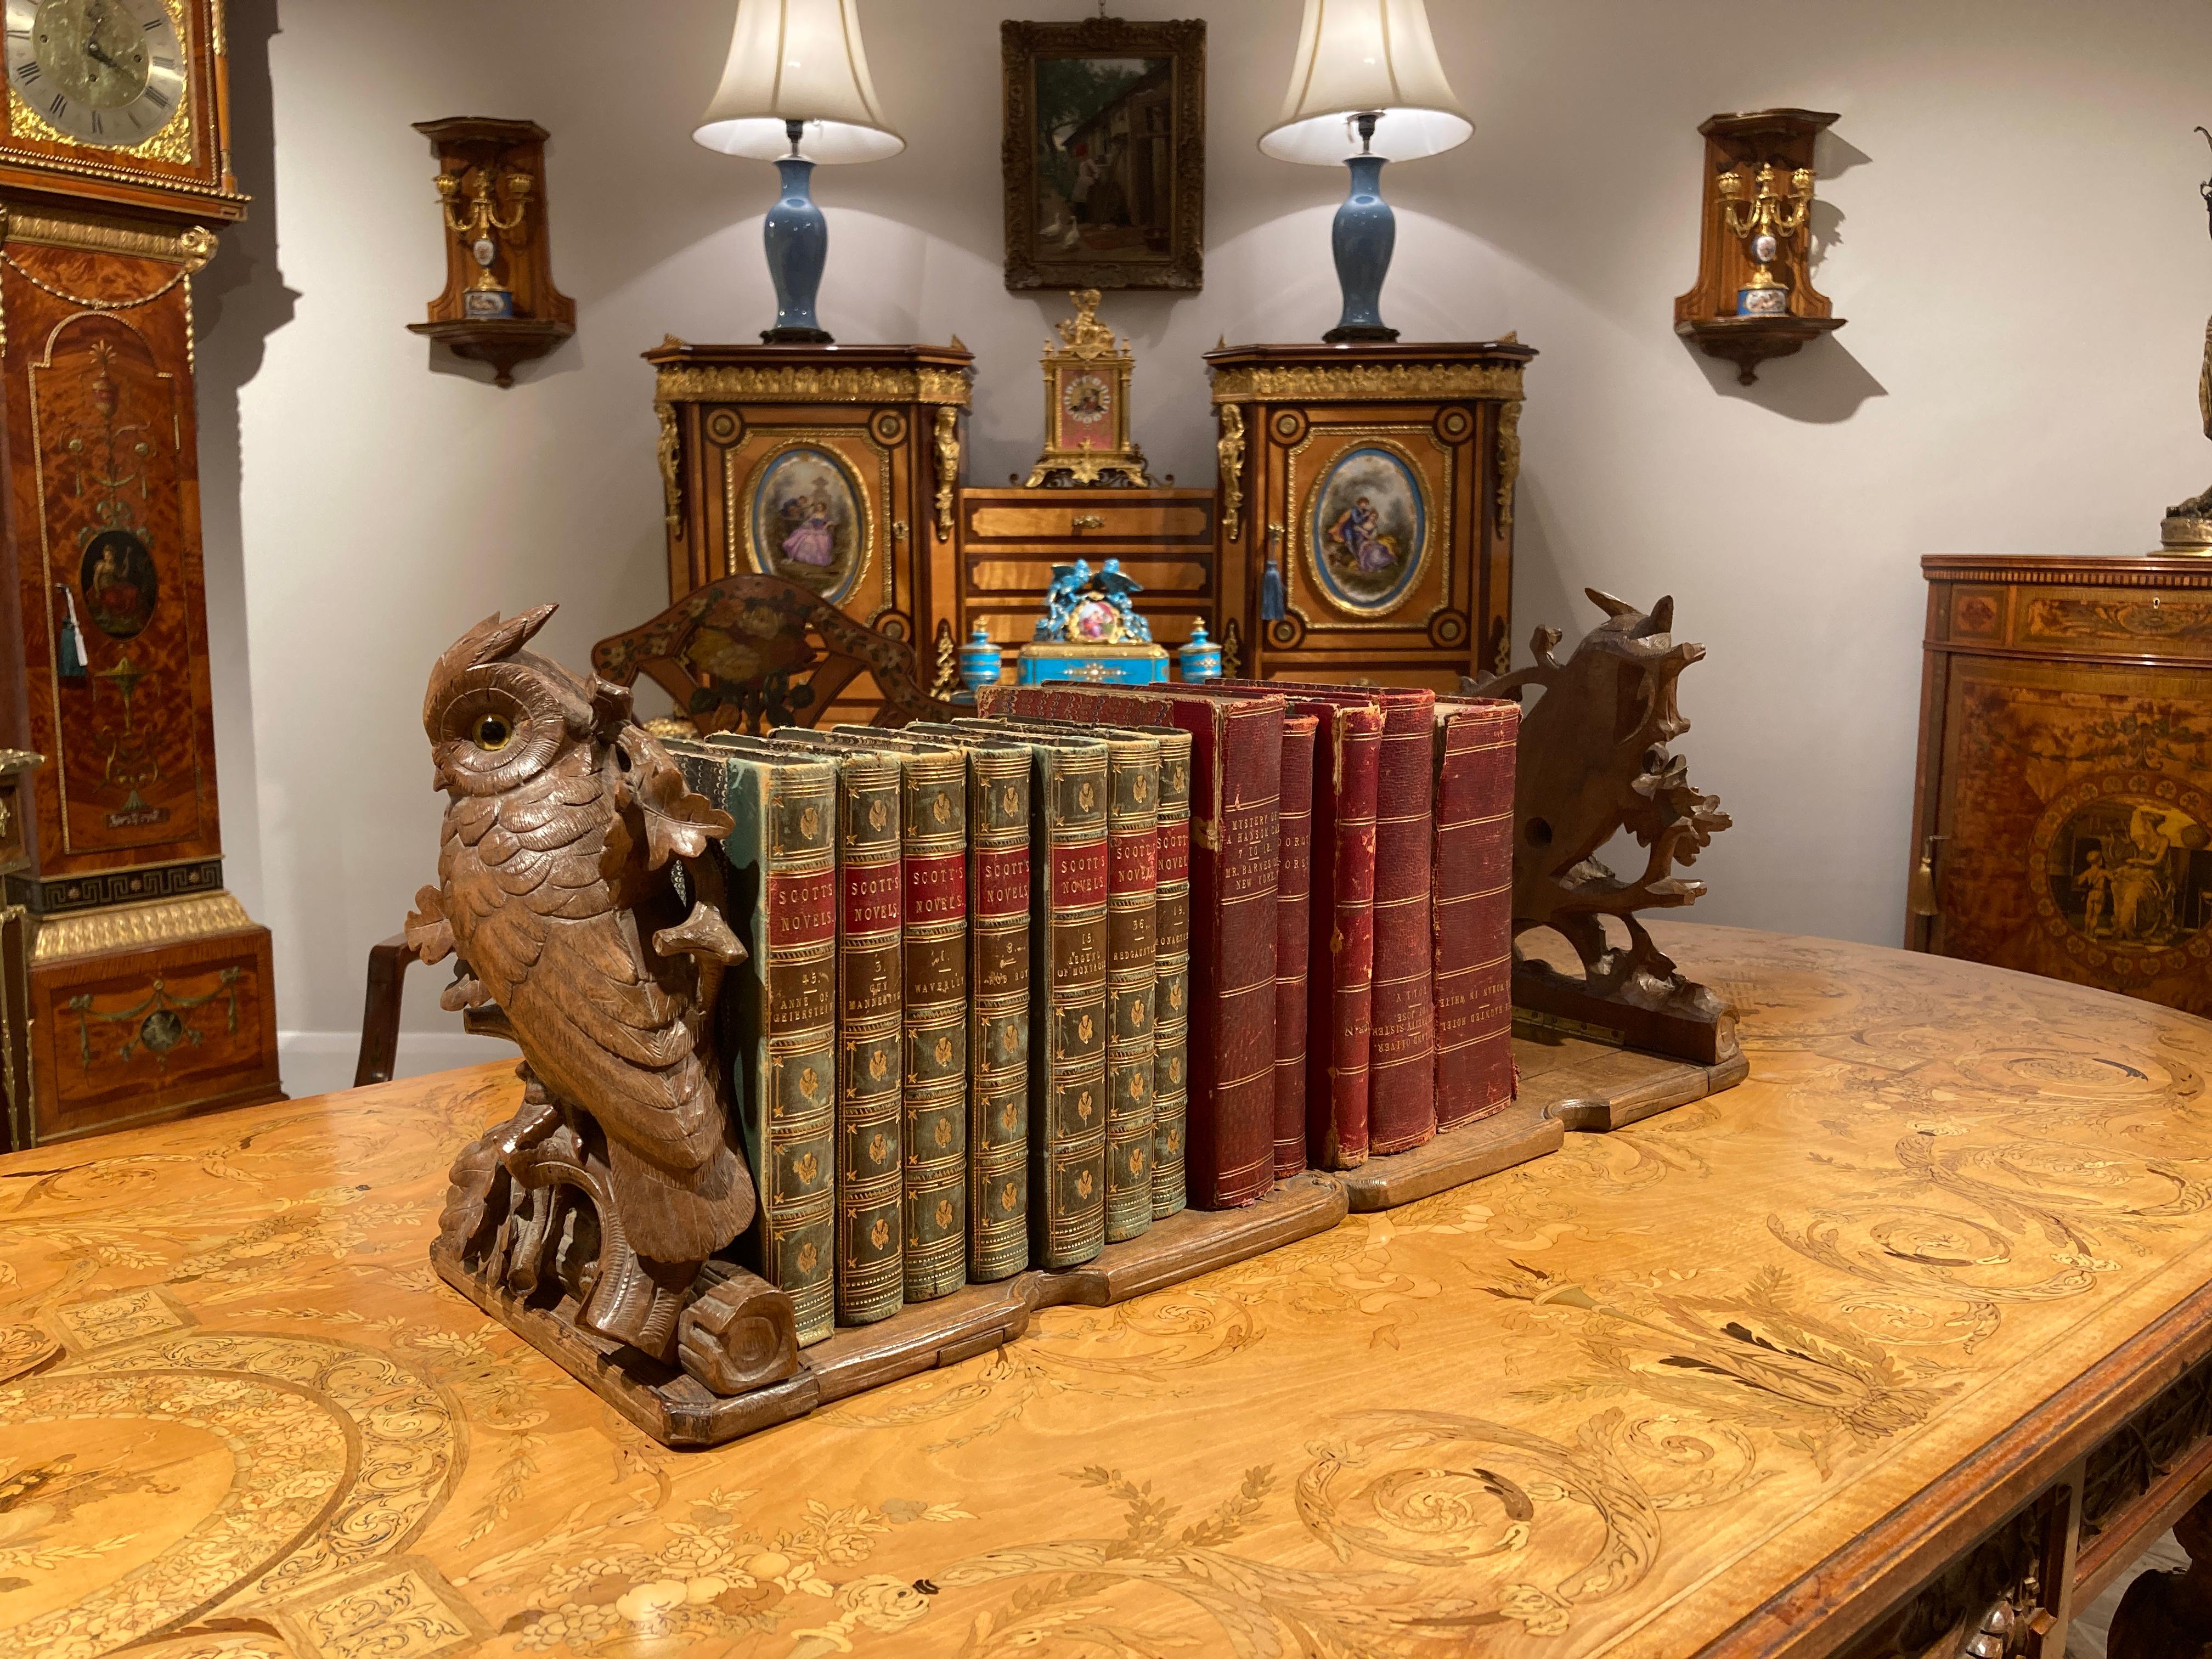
1104	154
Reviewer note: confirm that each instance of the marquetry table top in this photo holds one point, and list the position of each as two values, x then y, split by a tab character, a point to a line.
1620	1401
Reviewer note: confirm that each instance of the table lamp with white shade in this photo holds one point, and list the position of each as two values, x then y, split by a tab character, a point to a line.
1367	81
796	92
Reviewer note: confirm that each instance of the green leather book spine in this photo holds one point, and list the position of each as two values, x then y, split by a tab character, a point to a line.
871	975
1171	986
1132	821
998	969
1067	1003
934	936
782	1008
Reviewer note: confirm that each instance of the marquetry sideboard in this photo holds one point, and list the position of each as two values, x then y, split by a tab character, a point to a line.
1011	537
1367	508
835	467
1904	1341
2063	806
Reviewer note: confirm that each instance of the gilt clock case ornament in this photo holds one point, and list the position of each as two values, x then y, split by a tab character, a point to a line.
1086	406
1755	297
118	104
498	306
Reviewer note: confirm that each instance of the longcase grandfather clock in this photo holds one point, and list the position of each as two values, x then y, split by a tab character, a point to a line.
149	986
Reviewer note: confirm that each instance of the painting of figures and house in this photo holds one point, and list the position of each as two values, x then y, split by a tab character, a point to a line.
1105	168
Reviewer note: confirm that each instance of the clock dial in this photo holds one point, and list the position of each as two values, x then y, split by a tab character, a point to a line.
105	72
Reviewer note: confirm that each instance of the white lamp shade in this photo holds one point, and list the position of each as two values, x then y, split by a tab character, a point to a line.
1358	55
797	60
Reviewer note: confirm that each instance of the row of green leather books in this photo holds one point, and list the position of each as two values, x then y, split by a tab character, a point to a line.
958	1040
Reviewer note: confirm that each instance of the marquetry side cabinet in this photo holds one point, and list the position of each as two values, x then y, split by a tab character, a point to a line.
1009	538
2064	807
837	467
1367	508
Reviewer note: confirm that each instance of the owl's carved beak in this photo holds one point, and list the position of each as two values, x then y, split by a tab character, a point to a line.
442	776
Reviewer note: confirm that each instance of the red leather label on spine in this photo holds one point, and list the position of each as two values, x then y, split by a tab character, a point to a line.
936	888
1133	861
1174	851
872	897
802	909
1078	874
1002	883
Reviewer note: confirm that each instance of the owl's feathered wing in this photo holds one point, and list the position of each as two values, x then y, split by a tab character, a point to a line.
533	889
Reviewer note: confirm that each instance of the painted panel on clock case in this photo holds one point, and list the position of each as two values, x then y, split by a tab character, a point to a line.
1367	530
107	420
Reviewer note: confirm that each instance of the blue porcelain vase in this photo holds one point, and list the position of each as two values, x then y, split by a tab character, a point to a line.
1199	660
796	238
980	661
1362	238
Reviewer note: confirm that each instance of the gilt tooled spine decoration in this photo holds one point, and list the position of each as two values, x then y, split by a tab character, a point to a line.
619	1177
1582	778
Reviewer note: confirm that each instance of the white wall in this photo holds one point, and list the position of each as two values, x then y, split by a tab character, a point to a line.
2011	229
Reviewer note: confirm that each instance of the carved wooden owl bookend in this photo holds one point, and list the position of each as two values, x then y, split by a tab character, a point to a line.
577	894
1592	760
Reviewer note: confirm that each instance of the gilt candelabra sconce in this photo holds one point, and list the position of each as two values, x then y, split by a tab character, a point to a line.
477	226
498	306
1755	297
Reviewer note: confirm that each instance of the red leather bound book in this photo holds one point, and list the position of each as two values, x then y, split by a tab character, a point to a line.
1237	757
1348	749
1473	966
1293	941
1401	1082
1341	906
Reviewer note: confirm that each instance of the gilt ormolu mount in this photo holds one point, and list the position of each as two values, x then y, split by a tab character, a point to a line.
1593	761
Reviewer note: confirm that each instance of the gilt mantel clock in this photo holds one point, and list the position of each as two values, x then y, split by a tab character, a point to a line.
149	986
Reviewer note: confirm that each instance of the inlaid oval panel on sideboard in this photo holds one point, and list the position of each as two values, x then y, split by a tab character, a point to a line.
2066	770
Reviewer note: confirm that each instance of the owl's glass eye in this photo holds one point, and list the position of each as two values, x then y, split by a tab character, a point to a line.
491	732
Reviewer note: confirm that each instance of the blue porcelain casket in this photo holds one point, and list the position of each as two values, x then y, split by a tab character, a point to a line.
1091	631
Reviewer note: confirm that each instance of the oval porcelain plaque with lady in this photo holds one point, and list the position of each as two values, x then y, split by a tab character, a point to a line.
806	522
119	582
1368	531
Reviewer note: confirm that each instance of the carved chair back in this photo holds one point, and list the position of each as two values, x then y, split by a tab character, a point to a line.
749	653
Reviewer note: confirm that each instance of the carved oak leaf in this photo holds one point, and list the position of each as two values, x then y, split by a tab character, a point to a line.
429	933
677	822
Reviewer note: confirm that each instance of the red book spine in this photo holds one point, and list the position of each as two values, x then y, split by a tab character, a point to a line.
1401	1084
1236	757
1473	910
1293	889
1340	1001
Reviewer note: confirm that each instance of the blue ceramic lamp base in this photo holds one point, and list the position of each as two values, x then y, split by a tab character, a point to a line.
1362	238
796	238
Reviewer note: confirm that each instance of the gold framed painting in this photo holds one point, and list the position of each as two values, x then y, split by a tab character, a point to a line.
1104	154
